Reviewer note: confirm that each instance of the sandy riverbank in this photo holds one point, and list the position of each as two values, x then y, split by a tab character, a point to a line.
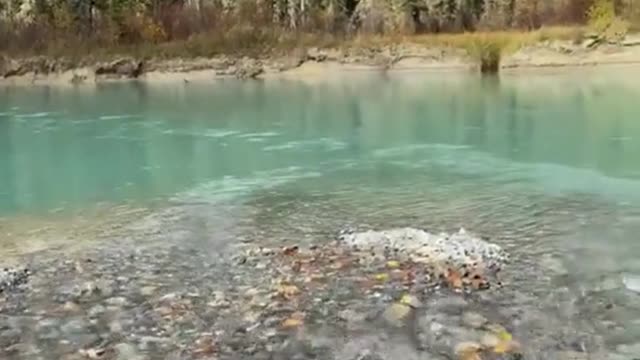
311	64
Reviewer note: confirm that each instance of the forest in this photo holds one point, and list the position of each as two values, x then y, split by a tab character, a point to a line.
207	27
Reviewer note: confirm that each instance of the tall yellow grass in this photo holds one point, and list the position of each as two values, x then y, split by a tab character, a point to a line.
485	47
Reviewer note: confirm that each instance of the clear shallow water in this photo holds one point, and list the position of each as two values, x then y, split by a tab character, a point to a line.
69	148
546	165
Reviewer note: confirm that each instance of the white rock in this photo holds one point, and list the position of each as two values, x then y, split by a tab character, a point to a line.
458	248
169	297
96	311
473	320
489	340
147	290
115	327
116	301
464	349
436	327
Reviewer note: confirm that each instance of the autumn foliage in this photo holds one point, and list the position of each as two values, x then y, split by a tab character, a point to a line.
206	27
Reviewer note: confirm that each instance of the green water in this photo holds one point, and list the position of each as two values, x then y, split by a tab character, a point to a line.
546	165
64	148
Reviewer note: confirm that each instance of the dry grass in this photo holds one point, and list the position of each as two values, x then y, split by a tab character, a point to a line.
245	40
489	47
250	40
508	40
485	47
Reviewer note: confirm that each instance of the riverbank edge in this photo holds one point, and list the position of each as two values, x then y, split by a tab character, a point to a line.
310	64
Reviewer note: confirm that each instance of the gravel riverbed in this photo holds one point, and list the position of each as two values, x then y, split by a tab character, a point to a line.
400	293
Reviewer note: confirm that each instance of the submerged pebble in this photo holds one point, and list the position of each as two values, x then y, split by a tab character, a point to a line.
180	302
96	311
473	320
127	352
117	301
10	278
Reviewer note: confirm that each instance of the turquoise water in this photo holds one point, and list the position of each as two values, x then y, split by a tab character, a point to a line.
66	148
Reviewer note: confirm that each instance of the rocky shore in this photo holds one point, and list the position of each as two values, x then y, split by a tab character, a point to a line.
376	295
312	62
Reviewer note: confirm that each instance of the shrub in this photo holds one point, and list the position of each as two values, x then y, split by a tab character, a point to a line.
600	15
488	48
150	30
616	31
603	20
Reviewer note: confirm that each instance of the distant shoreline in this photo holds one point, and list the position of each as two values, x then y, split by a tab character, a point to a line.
310	64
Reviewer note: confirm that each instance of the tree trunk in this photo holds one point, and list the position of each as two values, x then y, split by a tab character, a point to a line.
293	14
